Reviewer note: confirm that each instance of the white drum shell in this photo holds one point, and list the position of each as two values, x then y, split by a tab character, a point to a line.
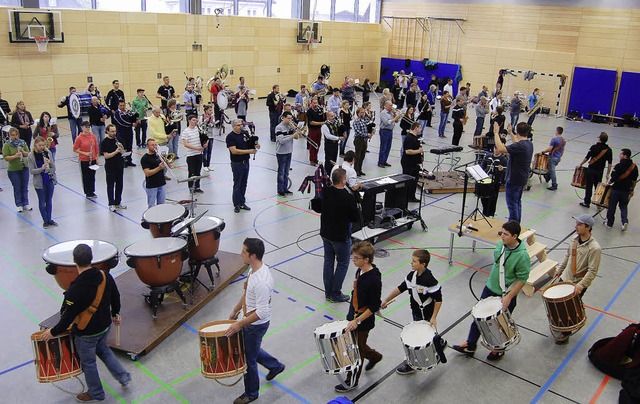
338	349
498	330
417	342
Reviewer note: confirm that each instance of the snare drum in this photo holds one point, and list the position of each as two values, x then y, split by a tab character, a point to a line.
160	218
484	188
602	195
564	307
221	356
55	359
338	348
480	142
417	341
157	261
208	230
540	164
498	330
59	259
579	179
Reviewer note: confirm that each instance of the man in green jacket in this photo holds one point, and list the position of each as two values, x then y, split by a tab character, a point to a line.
512	252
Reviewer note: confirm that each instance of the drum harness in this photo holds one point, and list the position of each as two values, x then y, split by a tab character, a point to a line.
415	293
503	260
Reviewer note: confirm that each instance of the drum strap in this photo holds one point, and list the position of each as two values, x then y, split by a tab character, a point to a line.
557	147
598	157
415	293
502	276
82	320
354	301
574	254
627	173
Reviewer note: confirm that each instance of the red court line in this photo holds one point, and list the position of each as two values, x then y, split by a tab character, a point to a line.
610	314
596	395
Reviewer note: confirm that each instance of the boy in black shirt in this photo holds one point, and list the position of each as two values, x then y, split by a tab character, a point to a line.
425	295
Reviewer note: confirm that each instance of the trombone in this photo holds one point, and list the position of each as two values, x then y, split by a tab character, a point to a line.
167	160
302	132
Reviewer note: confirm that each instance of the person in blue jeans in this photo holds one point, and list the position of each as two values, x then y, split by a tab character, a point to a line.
285	134
425	295
91	328
255	307
239	151
339	210
520	154
445	106
43	169
555	150
388	118
74	123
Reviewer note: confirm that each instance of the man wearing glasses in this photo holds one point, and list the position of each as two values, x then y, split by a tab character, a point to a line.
239	153
511	254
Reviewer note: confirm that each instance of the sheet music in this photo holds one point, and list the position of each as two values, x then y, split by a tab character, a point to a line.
386	180
477	172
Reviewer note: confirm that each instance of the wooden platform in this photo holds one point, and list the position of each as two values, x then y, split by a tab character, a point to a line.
139	333
448	182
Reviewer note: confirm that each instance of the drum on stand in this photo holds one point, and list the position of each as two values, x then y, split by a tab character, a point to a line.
159	219
158	263
338	350
59	259
564	307
498	330
484	188
221	356
602	195
480	142
417	341
55	359
208	230
540	164
579	179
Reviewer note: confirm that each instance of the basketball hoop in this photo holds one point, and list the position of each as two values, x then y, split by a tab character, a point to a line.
42	42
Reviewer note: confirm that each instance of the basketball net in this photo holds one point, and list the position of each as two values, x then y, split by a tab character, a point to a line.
42	42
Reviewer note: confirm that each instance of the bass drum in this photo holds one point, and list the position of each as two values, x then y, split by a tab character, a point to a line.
222	99
157	261
59	259
208	230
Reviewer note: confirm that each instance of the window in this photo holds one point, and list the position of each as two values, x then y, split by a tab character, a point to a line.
345	10
284	9
13	3
118	5
78	4
255	8
367	11
321	8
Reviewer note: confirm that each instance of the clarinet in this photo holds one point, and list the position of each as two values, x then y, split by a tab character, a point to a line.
45	154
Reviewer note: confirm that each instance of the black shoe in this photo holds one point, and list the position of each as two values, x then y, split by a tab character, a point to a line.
244	207
281	194
52	223
92	196
244	399
387	165
46	225
414	200
361	174
382	166
288	192
198	191
132	165
341	298
371	364
494	356
342	389
552	188
236	209
468	350
273	373
586	205
405	369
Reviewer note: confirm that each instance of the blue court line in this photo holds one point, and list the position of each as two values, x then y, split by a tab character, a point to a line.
16	367
566	361
97	203
280	386
23	217
264	224
296	256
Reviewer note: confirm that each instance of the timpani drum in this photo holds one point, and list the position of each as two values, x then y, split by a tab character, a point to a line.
338	348
579	179
59	259
498	330
602	195
480	142
55	359
157	261
160	218
540	164
220	356
207	229
564	307
417	341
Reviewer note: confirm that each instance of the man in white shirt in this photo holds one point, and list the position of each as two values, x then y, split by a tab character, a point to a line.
347	165
191	141
448	87
256	309
333	104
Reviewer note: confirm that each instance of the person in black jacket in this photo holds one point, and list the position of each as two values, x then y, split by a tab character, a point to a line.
495	164
623	178
339	210
411	159
365	302
92	340
598	156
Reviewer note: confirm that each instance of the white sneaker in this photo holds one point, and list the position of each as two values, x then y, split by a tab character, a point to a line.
604	223
121	206
19	209
624	226
205	168
27	207
112	208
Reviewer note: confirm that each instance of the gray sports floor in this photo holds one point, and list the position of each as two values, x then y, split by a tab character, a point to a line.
535	370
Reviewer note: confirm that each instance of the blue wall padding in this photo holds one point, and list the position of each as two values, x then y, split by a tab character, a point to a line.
628	94
417	67
592	90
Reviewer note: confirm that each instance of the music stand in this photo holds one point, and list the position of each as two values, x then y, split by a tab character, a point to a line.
478	175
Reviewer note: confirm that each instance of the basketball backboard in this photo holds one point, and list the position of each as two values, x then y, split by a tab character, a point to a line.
26	25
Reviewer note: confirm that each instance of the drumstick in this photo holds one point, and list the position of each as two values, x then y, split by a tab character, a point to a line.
388	303
195	235
118	331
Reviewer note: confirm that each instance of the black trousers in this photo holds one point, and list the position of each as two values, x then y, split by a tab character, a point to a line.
125	136
457	132
194	165
88	178
142	127
114	186
360	144
413	171
330	154
593	178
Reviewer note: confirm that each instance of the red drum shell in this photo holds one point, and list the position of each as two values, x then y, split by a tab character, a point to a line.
221	356
55	359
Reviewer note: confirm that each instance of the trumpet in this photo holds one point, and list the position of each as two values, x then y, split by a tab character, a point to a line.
47	142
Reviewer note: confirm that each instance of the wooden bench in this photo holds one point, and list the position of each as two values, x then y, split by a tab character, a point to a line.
537	250
546	267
